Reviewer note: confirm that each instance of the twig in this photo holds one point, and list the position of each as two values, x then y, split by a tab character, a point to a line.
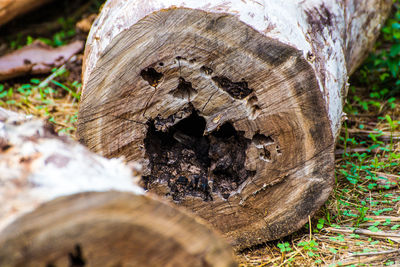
384	218
391	177
339	152
291	257
391	236
376	253
370	233
364	260
386	136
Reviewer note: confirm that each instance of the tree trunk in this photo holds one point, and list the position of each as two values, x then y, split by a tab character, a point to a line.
50	217
232	107
10	9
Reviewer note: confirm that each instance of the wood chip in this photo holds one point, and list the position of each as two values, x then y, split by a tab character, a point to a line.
86	23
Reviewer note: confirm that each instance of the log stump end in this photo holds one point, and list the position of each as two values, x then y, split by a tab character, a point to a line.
227	122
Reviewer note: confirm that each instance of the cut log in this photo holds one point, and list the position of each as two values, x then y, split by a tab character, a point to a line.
50	215
10	9
232	107
111	229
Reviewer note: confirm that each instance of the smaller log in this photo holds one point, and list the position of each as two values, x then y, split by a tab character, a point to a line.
10	9
111	229
50	215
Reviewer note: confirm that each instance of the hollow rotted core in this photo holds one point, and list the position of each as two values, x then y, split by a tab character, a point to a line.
194	164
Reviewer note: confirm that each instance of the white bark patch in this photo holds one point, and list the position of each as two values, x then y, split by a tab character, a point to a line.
37	166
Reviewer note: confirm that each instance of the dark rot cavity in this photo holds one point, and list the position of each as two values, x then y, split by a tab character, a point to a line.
238	90
193	164
184	90
151	76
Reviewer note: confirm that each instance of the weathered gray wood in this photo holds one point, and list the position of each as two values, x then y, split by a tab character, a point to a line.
37	166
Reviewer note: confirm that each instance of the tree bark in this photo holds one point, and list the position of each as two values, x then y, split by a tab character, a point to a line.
232	107
64	206
10	9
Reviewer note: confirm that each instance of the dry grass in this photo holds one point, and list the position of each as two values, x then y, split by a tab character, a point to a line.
359	223
53	98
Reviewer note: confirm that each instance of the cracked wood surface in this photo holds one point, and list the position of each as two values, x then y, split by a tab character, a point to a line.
276	70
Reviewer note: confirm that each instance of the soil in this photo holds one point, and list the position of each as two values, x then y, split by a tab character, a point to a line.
192	163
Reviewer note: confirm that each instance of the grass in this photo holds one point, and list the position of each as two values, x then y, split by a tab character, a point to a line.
55	99
361	217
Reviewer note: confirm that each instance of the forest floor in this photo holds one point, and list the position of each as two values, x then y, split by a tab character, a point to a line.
360	223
